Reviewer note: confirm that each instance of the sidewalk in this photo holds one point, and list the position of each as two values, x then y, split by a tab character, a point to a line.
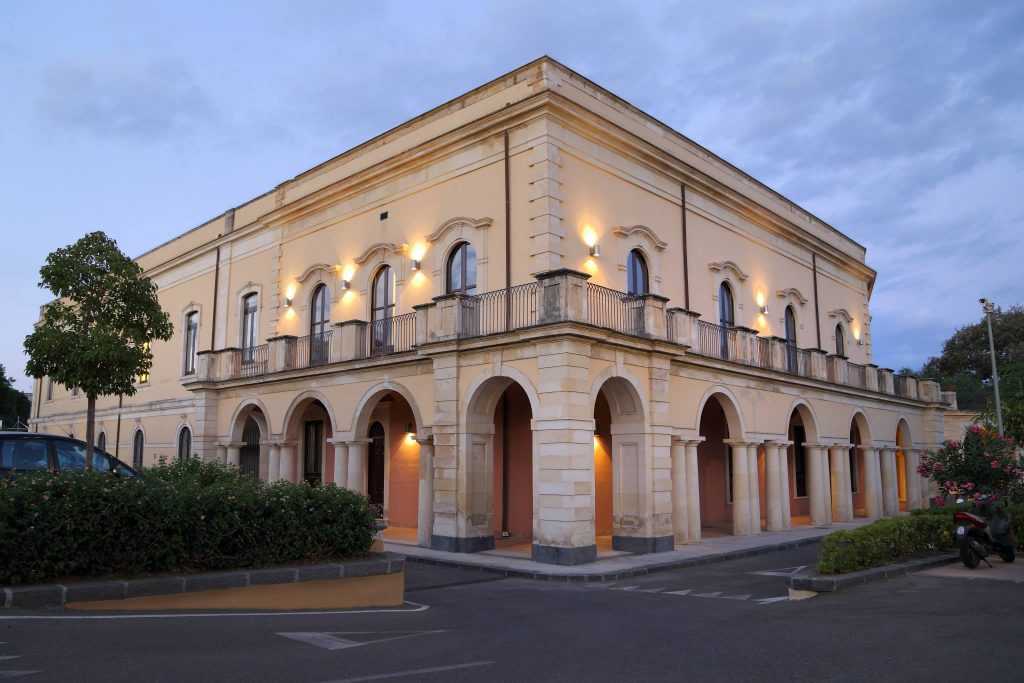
618	565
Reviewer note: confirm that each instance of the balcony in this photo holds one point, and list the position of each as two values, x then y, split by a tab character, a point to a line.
562	296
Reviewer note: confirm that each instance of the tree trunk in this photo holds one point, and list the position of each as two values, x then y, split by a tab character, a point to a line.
90	432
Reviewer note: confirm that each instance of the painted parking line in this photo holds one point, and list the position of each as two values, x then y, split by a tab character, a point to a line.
687	592
344	640
12	673
411	672
413	607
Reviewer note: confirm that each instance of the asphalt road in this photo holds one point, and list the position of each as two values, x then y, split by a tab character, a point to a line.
717	622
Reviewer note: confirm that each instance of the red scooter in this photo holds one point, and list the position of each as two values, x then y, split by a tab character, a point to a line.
983	530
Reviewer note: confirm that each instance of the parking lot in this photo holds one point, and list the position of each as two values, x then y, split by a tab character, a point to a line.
715	622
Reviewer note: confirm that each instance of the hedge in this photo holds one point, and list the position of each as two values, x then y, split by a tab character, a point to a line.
886	541
188	516
1014	510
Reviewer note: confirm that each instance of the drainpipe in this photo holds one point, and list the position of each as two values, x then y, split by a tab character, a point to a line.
686	269
216	286
817	316
508	240
117	437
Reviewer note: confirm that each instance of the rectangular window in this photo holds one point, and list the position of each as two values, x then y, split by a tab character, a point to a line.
49	389
144	377
191	337
728	475
799	463
248	326
853	469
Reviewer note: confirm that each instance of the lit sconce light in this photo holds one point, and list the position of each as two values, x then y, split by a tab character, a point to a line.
764	309
410	429
762	305
595	250
415	264
856	335
345	284
287	301
596	432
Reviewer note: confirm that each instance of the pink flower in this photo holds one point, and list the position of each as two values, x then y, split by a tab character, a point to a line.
940	501
995	464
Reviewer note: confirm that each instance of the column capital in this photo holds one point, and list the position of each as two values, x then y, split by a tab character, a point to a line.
778	442
842	446
689	440
357	442
868	448
739	443
426	440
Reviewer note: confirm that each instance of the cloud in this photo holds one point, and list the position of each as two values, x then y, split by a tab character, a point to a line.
155	101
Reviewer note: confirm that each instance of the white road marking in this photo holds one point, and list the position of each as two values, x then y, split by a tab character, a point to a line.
331	640
3	657
736	597
768	601
784	571
15	674
707	595
685	592
417	607
411	672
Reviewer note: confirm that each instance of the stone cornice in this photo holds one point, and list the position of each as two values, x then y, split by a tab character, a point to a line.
792	292
459	222
380	246
626	231
730	266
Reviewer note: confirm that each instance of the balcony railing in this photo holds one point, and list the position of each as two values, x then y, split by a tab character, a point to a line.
901	383
857	375
502	310
614	310
717	341
312	350
248	362
392	335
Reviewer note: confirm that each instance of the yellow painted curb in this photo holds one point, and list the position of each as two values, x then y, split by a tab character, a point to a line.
384	590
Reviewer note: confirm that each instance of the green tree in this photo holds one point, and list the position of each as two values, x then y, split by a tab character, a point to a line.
14	405
96	334
967	351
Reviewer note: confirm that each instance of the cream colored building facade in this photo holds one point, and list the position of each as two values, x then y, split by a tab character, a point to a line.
534	311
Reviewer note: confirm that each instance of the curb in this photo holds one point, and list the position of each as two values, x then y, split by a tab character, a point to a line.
613	575
841	582
49	596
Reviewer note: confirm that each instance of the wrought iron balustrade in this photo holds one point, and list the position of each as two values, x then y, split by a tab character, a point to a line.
312	350
717	341
856	375
392	335
614	310
502	310
248	362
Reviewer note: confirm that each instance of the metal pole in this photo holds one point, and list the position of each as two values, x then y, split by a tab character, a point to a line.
988	306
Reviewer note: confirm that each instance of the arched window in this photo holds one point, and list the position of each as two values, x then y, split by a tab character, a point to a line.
184	444
840	341
791	348
462	270
637	281
249	306
191	340
726	318
382	311
319	326
138	444
101	441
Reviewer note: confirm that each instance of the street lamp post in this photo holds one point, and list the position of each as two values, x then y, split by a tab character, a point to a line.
989	308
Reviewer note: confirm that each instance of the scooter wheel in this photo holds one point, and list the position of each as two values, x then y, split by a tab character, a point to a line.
969	557
1008	554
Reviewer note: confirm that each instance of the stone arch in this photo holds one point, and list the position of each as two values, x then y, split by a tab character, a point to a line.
730	405
636	395
182	425
299	402
249	406
907	483
805	475
860	418
481	400
807	416
361	416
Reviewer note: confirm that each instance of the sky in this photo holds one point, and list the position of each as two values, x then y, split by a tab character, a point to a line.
899	123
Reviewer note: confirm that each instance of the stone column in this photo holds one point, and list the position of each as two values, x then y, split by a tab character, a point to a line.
289	469
773	486
842	503
754	485
340	463
425	513
741	517
222	454
680	523
358	450
890	485
273	463
910	475
787	510
692	492
234	454
817	485
872	482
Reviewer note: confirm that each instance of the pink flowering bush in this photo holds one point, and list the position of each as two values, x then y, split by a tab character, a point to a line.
982	462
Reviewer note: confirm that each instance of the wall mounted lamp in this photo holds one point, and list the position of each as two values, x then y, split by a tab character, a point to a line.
860	342
287	301
415	264
595	250
764	309
345	284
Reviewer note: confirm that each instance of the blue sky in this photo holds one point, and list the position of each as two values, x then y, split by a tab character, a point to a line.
900	123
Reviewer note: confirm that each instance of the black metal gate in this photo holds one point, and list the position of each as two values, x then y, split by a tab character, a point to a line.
249	458
375	465
313	445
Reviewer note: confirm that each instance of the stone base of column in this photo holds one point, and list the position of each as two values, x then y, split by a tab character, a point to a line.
454	544
568	557
642	545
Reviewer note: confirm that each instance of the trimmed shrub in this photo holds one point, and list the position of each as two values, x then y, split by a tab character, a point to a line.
189	516
886	541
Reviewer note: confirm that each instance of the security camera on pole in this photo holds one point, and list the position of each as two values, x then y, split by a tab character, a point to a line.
989	307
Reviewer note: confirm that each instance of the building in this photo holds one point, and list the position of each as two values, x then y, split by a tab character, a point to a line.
537	312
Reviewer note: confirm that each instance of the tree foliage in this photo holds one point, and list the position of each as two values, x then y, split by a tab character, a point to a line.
14	405
967	351
96	334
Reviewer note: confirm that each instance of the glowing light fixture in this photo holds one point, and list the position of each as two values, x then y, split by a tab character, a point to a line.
595	250
415	264
345	284
287	301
